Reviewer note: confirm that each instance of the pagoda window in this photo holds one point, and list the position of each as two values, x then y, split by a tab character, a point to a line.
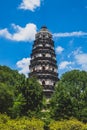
52	69
43	67
54	84
43	55
43	35
33	69
43	45
43	82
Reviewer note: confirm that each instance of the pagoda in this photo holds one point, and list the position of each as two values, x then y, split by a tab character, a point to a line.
43	62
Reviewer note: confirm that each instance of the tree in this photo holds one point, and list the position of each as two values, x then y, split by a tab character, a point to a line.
33	94
6	98
21	95
78	80
23	123
70	96
18	104
61	102
10	96
11	77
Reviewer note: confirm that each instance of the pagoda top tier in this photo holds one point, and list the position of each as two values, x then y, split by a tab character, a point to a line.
43	32
44	29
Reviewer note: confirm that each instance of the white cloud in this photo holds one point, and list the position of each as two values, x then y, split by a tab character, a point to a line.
29	4
26	33
81	59
77	51
70	34
65	65
23	65
78	60
5	33
59	50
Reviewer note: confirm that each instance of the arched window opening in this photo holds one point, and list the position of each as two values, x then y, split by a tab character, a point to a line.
33	69
43	55
54	84
43	67
52	69
43	82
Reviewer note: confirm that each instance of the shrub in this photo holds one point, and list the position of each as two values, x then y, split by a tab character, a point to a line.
20	124
84	127
72	124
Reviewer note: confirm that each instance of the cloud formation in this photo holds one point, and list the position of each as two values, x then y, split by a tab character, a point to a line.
81	59
26	33
29	4
70	34
65	65
23	66
59	50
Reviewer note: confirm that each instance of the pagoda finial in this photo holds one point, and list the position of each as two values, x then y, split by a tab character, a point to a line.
44	26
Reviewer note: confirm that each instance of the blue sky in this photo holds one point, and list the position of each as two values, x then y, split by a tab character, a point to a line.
21	19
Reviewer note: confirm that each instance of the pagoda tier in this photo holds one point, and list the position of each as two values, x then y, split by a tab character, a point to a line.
43	62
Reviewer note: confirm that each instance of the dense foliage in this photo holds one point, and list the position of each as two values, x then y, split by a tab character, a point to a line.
6	98
32	92
20	124
70	96
71	124
21	96
24	123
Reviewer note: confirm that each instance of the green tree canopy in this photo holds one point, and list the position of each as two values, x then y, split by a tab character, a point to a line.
19	94
10	81
33	94
70	96
6	98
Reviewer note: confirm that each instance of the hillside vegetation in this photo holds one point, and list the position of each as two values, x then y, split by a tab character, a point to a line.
23	105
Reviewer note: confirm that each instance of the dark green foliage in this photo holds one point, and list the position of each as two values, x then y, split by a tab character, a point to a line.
19	95
70	96
10	77
75	77
18	104
61	102
6	98
10	80
33	95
